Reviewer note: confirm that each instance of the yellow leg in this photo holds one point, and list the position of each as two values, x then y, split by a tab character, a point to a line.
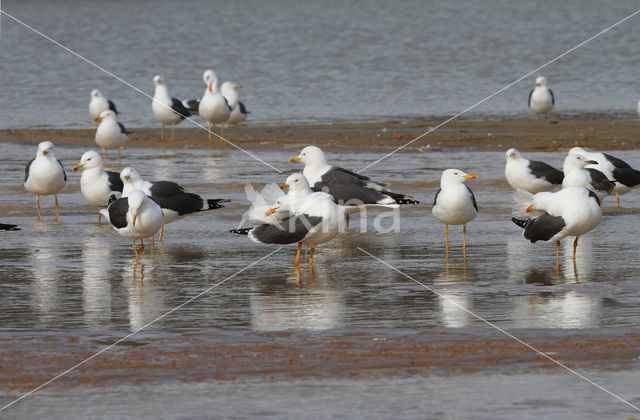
162	137
221	131
141	249
617	201
209	131
135	249
575	245
464	237
99	217
173	132
57	207
311	257
347	218
558	256
297	260
161	233
446	237
38	204
104	155
537	117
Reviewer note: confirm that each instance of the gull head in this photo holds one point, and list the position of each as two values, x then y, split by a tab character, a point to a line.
95	93
310	155
129	175
136	200
512	154
106	115
158	80
541	81
45	148
455	176
89	160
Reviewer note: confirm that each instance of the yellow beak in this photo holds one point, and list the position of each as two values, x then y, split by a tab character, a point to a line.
210	87
470	176
98	118
529	208
134	219
127	177
78	166
538	85
284	186
44	153
270	211
294	159
239	86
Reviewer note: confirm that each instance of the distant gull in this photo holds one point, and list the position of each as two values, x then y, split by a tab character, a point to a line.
455	203
110	134
316	220
352	191
213	108
4	226
99	103
96	184
530	175
575	174
551	216
626	178
171	197
136	217
167	109
44	175
541	98
238	110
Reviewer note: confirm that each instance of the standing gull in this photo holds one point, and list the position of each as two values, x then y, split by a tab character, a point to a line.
455	203
171	197
110	134
530	175
238	110
625	177
352	191
575	174
99	103
541	98
44	175
96	184
572	211
136	217
213	107
167	109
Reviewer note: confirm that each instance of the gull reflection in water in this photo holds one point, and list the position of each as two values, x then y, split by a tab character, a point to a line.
45	263
582	269
570	309
305	299
146	300
96	283
448	282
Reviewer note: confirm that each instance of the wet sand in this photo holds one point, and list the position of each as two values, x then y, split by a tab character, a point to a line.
527	135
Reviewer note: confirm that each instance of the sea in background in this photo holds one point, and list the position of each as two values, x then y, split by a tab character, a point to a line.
324	61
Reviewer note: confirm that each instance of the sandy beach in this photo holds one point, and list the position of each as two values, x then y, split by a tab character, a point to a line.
526	135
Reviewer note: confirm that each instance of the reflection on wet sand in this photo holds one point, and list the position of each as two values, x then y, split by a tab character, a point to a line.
557	310
582	268
145	298
46	256
451	300
96	284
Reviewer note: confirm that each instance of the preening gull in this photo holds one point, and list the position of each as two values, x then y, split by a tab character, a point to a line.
44	175
625	177
455	203
238	110
352	191
110	134
99	103
96	184
575	174
167	110
171	197
530	175
541	98
551	216
136	217
213	106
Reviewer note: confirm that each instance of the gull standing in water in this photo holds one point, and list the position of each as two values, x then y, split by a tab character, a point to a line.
44	175
213	107
530	175
110	133
575	174
167	109
96	184
99	103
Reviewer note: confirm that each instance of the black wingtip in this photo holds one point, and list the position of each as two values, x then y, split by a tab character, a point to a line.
112	198
520	222
241	231
9	227
406	201
215	203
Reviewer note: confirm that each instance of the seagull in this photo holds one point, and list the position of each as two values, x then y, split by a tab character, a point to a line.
136	217
4	226
316	220
298	189
261	202
455	203
625	177
167	109
352	191
44	175
99	103
110	133
96	184
541	98
530	175
572	211
575	174
213	107
171	197
238	110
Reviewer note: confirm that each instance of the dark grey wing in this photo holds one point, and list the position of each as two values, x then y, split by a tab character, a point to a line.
243	109
122	129
473	198
594	196
179	108
4	226
227	102
435	199
118	212
628	177
354	174
112	106
63	172
292	229
115	182
618	163
599	181
347	187
541	228
172	196
553	98
27	168
192	105
548	172
529	101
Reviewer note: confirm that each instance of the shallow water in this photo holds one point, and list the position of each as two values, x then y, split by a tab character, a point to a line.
317	61
75	276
